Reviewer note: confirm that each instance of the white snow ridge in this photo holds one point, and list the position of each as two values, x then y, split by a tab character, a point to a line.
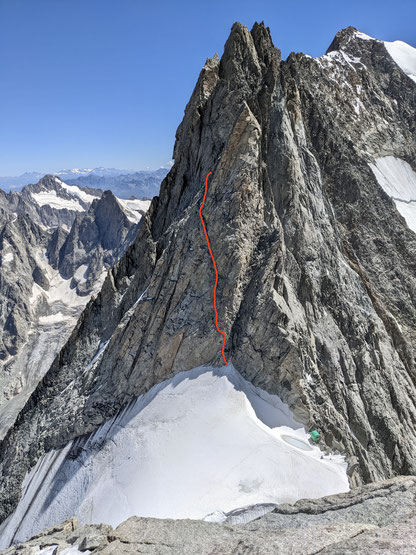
203	442
404	55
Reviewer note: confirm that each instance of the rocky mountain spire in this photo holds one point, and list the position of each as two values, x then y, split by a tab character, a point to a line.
316	266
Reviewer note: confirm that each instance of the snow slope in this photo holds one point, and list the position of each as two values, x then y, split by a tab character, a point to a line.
74	190
134	209
55	201
404	55
398	180
205	441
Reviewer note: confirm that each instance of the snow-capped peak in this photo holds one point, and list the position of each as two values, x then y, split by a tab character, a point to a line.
75	172
52	191
363	36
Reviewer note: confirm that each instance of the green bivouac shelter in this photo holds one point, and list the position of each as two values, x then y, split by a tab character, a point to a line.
315	436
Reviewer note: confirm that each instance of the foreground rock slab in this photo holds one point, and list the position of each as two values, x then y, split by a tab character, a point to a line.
377	518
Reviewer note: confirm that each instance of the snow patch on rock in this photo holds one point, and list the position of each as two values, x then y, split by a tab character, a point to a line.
52	319
363	36
339	57
398	180
396	177
53	549
8	257
81	272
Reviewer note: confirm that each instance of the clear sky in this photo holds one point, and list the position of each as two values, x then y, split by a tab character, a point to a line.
88	83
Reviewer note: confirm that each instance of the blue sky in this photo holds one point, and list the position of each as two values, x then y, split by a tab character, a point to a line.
88	83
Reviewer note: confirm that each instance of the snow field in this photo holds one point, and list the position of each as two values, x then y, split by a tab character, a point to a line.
51	198
76	191
202	443
134	208
398	180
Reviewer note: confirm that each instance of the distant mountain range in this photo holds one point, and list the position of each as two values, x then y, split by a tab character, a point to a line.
123	183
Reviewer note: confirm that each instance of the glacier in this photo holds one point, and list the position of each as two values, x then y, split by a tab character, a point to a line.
201	443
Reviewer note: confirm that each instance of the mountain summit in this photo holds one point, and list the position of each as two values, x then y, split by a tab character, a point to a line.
316	290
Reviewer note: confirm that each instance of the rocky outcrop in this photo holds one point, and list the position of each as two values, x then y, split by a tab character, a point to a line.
316	266
379	518
19	238
97	240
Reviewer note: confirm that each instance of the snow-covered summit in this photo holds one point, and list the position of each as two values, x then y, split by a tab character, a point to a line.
402	53
352	41
52	191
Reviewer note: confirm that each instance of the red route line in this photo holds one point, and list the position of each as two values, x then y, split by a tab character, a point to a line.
215	268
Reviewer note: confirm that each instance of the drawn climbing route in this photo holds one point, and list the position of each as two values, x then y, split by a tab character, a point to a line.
215	268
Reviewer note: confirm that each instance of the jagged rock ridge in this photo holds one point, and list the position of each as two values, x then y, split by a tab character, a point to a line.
317	268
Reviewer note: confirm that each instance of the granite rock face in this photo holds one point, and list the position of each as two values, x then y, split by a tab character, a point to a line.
317	285
379	518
